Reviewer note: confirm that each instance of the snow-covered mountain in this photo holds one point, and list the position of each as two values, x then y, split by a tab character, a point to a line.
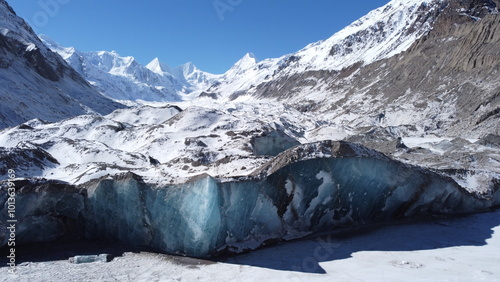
37	83
382	33
387	68
123	78
275	149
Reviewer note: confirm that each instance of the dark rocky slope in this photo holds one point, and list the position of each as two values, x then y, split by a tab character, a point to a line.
37	83
448	80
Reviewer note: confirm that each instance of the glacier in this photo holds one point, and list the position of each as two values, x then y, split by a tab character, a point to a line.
307	189
215	175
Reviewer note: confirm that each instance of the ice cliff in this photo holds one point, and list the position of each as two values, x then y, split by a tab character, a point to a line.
307	189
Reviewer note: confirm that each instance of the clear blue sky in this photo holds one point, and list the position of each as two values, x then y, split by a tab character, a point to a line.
213	34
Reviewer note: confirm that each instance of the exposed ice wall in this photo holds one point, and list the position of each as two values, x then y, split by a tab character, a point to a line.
348	185
205	216
44	211
272	143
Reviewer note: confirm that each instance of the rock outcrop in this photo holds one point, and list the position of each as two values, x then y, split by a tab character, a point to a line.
37	83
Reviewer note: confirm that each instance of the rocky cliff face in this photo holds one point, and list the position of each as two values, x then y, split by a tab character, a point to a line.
37	83
382	33
445	83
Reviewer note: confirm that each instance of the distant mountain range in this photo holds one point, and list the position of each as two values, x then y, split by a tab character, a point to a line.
381	34
407	63
123	78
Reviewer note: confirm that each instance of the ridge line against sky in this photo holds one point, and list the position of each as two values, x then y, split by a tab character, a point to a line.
212	34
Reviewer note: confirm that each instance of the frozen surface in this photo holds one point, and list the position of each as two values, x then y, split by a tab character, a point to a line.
459	249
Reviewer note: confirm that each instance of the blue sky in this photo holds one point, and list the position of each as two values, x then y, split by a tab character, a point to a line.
213	34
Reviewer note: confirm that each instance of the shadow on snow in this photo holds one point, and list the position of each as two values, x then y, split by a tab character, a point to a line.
409	235
305	255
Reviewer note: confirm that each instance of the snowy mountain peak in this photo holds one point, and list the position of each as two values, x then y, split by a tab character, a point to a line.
123	78
188	68
48	41
247	62
158	67
64	52
250	55
382	33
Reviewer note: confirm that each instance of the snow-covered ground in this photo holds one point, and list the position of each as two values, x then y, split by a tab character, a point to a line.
165	142
442	249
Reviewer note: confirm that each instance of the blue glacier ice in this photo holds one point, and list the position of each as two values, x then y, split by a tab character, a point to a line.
272	143
44	210
307	189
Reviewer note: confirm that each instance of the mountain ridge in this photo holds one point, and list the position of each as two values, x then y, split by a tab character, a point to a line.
123	78
37	83
341	50
459	48
380	34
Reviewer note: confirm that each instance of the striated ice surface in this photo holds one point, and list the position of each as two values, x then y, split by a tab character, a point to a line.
307	189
